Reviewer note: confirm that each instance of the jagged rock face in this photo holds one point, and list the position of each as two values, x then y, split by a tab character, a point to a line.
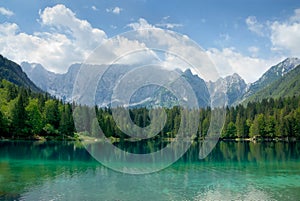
235	88
233	85
61	86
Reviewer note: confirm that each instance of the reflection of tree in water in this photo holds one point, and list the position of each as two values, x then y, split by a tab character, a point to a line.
26	164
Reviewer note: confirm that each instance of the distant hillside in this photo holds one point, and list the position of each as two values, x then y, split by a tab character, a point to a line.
273	74
286	86
12	72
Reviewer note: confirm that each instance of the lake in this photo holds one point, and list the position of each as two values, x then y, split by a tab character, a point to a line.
232	171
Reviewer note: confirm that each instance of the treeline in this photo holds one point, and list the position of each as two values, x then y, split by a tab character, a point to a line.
268	119
24	114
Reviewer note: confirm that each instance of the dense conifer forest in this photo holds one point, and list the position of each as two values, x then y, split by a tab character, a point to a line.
29	115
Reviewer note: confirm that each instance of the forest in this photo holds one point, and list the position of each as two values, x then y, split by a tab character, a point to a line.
29	115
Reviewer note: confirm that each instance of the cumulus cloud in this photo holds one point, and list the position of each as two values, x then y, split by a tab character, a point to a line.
229	61
116	10
254	26
175	51
140	24
6	12
285	36
63	19
8	29
296	16
70	40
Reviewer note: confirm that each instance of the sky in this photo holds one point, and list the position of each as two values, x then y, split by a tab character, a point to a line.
244	37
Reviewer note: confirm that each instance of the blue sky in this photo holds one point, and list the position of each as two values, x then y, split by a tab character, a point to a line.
246	37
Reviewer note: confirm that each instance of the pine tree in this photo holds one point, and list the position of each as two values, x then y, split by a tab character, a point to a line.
95	128
34	117
19	117
240	126
51	113
3	125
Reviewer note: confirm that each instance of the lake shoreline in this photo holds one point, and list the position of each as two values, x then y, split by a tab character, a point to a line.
112	139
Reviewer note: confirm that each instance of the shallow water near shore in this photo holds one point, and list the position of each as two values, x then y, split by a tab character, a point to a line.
232	171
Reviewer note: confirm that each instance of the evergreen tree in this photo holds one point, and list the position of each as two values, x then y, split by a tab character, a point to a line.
231	130
34	117
3	125
19	117
258	126
95	128
66	124
51	113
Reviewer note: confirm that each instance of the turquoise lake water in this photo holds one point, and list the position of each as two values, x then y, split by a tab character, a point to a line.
232	171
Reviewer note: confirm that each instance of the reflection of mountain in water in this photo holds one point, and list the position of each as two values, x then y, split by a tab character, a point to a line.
37	170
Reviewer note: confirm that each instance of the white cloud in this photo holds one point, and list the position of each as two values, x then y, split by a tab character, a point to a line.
296	16
63	19
285	36
229	61
254	25
8	29
6	12
94	8
141	24
166	17
116	10
169	25
70	40
176	51
253	50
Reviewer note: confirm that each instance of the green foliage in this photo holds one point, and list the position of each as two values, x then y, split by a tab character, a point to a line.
50	130
19	116
24	114
258	126
231	130
286	86
12	72
51	113
34	117
3	125
95	128
66	124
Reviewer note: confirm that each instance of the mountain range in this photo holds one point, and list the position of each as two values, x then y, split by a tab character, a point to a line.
280	80
287	85
61	85
275	73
